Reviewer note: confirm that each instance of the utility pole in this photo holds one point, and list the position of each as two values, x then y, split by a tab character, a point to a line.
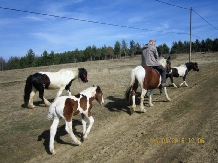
190	52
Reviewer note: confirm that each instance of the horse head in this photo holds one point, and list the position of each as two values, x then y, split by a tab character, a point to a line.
195	67
83	74
166	63
168	66
99	95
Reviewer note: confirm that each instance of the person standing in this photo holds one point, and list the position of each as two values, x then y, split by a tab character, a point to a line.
150	59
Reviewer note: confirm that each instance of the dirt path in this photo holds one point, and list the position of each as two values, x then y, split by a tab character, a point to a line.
183	130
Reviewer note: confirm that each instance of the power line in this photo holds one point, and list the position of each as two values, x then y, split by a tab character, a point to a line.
204	19
172	5
187	9
91	21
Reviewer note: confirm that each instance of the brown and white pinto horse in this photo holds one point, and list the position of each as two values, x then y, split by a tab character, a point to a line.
148	79
67	106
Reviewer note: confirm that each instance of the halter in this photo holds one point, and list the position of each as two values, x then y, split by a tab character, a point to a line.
195	68
85	77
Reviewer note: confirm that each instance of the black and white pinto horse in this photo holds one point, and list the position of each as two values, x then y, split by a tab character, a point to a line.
65	107
148	79
51	80
182	71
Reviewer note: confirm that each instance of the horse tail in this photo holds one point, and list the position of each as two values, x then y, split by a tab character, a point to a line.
129	89
27	89
127	94
51	111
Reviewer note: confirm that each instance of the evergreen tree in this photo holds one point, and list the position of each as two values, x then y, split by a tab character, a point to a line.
209	45
117	49
133	48
124	48
104	52
29	60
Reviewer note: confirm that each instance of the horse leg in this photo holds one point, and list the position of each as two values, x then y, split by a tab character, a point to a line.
184	77
84	121
41	95
59	92
68	88
150	98
142	100
69	93
30	103
91	122
133	103
53	130
134	88
68	128
165	90
171	79
174	85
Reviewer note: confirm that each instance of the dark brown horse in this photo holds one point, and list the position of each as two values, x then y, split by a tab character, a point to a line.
148	79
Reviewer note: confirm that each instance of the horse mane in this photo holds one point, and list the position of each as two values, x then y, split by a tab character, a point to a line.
162	61
89	92
69	69
182	65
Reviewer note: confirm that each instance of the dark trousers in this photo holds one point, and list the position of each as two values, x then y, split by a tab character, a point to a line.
162	72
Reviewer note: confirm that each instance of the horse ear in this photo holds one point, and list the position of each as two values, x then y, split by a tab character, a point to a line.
98	89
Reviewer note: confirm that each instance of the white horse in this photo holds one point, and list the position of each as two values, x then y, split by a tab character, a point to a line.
51	80
66	107
148	79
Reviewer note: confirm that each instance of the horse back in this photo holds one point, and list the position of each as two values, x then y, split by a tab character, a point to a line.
152	78
70	109
75	106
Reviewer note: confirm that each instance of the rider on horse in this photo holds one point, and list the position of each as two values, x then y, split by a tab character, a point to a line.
149	58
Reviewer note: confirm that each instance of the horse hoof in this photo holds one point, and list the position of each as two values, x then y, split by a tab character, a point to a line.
78	143
151	105
31	106
53	152
85	136
131	110
47	104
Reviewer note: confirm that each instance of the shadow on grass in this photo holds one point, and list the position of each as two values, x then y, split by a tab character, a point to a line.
38	103
117	105
60	132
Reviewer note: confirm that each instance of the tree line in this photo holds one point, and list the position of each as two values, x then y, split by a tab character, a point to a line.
92	53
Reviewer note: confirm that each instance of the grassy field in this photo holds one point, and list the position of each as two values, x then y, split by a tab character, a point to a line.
184	130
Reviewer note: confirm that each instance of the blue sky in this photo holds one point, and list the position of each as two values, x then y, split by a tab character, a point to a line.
21	31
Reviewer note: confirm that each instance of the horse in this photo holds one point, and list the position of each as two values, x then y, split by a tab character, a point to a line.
51	80
66	107
148	79
182	71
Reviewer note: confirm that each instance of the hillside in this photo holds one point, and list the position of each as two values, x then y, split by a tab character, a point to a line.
181	131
